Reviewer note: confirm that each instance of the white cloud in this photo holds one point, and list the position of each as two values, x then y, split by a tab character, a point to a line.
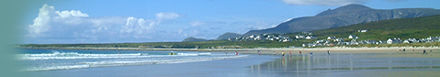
41	22
166	15
74	24
324	2
71	13
136	25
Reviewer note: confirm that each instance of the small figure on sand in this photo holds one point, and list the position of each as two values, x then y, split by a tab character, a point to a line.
300	52
282	53
236	53
311	53
424	51
259	52
328	52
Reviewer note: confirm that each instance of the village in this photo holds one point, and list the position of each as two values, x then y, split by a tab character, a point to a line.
332	40
353	40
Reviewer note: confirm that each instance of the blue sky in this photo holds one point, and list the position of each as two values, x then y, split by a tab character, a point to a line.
116	21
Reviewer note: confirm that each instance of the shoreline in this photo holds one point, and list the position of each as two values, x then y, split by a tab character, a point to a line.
263	50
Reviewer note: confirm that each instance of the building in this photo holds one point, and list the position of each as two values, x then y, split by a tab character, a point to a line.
299	36
310	37
393	41
353	37
331	37
362	31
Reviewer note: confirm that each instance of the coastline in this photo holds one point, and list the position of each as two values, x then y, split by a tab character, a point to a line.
263	50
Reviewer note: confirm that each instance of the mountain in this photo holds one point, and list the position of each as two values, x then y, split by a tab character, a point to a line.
193	39
344	16
228	35
404	28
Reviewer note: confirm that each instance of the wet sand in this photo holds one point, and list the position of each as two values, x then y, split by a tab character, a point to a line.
351	64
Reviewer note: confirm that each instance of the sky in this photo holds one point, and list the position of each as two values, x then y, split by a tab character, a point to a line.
121	21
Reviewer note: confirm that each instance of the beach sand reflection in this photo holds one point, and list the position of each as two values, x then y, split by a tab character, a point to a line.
349	64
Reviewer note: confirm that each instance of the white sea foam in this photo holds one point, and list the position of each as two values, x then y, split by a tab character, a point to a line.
94	57
131	62
78	54
74	55
57	68
194	54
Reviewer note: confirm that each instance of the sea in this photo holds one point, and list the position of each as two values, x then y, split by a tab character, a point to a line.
50	59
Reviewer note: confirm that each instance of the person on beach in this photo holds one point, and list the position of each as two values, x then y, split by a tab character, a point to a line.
236	53
311	53
259	52
424	51
282	53
328	52
300	52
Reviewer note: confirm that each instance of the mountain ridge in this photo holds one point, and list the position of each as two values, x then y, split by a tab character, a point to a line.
344	16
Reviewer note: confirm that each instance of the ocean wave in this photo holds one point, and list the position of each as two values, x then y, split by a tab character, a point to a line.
194	54
78	54
75	55
130	62
57	68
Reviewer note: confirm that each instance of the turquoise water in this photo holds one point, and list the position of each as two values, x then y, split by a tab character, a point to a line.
45	60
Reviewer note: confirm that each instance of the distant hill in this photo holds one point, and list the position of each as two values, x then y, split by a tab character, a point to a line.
344	16
228	35
193	39
420	27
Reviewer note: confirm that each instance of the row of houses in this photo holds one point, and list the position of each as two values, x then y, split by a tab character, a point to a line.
414	40
269	37
352	40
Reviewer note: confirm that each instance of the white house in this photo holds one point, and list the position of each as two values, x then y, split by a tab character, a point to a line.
285	40
352	37
299	36
393	41
331	37
407	41
339	40
362	31
310	37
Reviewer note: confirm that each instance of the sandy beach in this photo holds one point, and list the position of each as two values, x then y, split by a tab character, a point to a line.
348	63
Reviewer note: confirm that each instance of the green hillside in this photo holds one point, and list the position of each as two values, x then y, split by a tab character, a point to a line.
421	27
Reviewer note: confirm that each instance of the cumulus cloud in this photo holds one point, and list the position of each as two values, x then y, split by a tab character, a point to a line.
74	24
71	13
136	25
41	22
324	2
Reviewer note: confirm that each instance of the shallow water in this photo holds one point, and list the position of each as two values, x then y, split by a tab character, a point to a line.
351	64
